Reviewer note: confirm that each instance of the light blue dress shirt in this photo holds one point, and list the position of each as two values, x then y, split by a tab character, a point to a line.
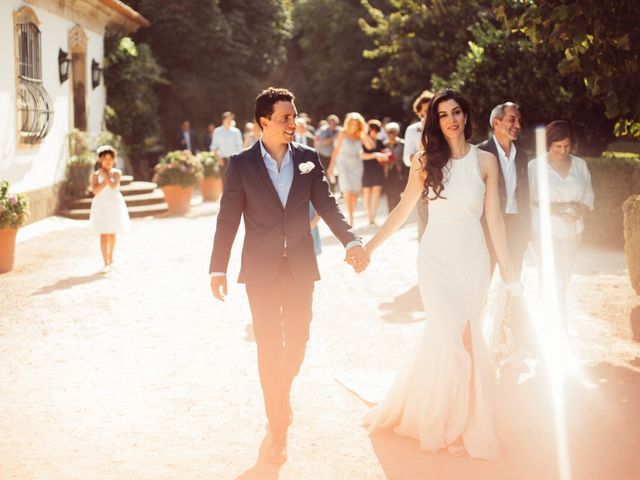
282	179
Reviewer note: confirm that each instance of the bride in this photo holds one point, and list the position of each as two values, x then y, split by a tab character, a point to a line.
442	395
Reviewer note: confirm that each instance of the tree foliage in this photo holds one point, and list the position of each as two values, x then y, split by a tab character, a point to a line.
326	68
216	53
130	76
504	66
415	39
600	41
466	45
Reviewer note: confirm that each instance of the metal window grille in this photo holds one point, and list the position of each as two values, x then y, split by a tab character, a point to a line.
35	109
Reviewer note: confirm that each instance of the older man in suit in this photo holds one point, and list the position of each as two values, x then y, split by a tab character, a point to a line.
271	185
513	180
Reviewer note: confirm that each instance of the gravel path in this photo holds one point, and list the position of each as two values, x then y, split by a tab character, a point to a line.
139	374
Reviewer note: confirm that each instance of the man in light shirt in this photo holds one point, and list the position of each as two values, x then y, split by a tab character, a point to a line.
413	145
226	140
513	181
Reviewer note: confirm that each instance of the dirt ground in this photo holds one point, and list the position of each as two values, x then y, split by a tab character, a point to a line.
140	374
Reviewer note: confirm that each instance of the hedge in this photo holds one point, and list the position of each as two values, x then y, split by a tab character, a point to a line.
614	180
631	209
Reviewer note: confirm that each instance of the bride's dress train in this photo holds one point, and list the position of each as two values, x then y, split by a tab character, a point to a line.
443	392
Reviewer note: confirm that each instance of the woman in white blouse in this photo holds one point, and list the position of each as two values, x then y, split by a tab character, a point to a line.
571	196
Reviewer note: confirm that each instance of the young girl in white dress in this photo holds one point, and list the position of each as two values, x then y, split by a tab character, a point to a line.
109	214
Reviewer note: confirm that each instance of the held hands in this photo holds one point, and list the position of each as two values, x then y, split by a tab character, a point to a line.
358	258
219	287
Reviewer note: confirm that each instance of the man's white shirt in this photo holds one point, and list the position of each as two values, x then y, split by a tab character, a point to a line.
510	175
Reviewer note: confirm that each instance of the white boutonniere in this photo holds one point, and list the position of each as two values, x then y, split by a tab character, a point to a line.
306	167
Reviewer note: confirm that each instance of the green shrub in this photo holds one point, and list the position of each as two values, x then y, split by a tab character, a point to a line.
614	180
14	207
631	209
179	167
211	164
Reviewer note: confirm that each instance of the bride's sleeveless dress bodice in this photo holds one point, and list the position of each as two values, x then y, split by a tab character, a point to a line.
433	397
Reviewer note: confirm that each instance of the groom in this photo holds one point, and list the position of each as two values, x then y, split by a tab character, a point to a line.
271	185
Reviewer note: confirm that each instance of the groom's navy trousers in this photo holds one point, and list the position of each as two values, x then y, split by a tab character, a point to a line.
279	280
281	313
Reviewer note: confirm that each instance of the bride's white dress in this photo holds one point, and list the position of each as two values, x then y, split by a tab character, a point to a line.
436	397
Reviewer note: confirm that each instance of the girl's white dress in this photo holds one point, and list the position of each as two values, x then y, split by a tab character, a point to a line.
109	211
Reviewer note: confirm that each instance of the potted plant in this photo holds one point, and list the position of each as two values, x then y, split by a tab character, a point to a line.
79	165
79	168
211	184
176	175
14	210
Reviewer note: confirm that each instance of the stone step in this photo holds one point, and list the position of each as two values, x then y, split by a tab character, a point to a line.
138	188
156	196
126	180
134	212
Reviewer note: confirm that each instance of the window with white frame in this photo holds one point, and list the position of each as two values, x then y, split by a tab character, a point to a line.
35	109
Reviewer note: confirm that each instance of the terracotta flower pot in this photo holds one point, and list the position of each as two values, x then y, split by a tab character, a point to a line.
211	188
178	198
7	248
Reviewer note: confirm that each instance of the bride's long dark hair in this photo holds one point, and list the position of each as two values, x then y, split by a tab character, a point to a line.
436	151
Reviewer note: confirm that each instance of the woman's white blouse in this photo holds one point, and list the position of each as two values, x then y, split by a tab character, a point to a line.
576	187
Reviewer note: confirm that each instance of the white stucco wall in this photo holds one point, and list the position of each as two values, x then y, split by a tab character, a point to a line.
42	166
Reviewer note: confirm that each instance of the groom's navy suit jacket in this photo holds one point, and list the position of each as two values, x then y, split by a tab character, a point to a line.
249	193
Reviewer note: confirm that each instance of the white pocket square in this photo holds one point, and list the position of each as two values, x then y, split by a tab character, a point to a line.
306	167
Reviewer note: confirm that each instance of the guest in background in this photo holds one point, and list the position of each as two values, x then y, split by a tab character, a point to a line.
513	184
346	159
382	136
325	139
373	174
396	172
186	139
226	141
413	145
571	196
251	134
305	116
302	135
208	136
513	193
